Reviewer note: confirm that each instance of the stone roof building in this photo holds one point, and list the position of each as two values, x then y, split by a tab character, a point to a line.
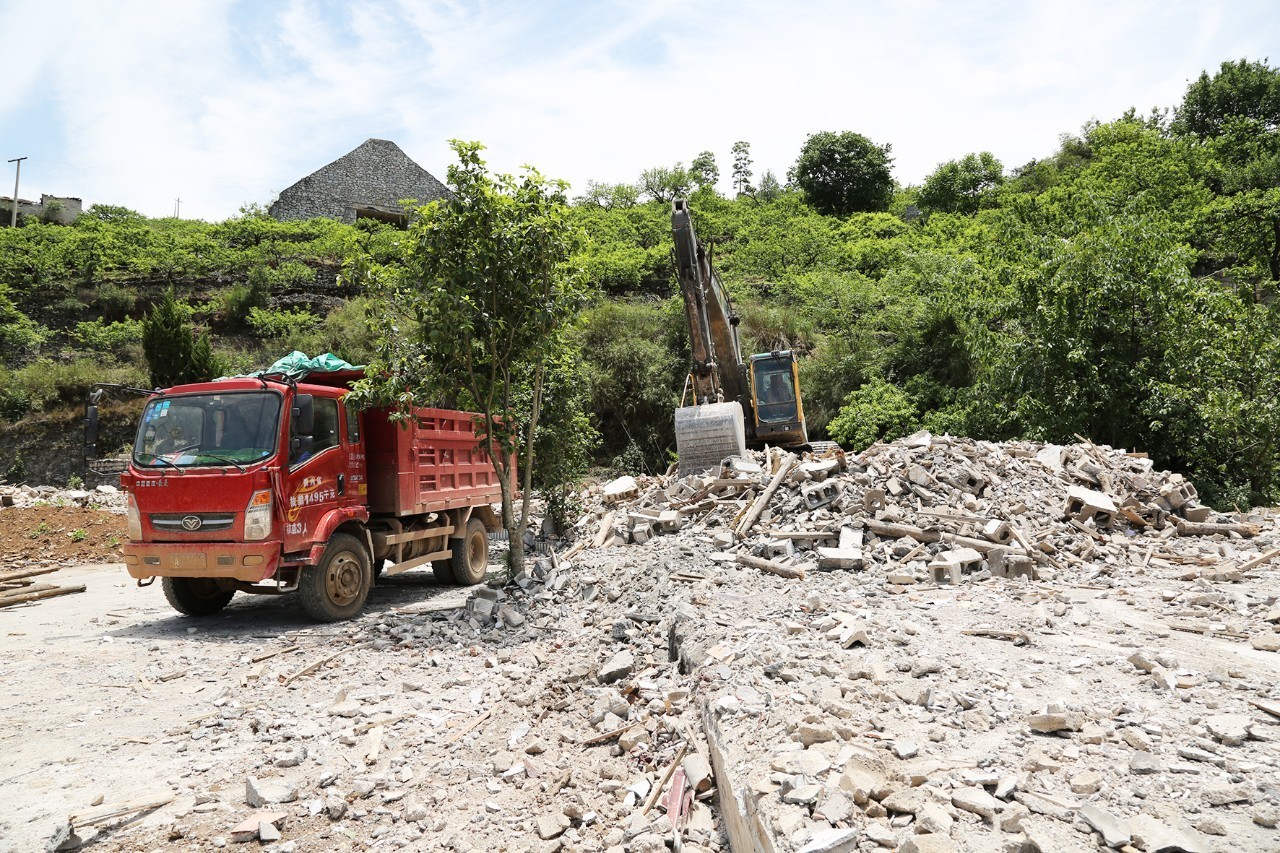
370	181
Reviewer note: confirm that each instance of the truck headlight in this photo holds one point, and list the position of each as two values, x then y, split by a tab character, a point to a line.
133	521
257	516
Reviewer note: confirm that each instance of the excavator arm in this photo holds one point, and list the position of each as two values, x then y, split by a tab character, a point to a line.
719	374
714	427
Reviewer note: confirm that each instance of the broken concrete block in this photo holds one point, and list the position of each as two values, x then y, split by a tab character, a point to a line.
820	494
1197	514
1113	829
668	521
1230	729
778	549
977	801
1085	504
833	841
641	532
949	566
998	531
551	826
261	792
839	558
617	667
697	772
250	828
621	489
873	499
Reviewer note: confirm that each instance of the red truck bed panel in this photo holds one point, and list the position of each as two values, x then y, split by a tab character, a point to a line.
428	462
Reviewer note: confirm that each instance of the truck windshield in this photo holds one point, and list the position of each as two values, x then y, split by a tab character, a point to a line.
239	428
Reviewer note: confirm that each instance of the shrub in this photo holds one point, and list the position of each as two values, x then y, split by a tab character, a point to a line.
877	410
114	338
174	354
279	323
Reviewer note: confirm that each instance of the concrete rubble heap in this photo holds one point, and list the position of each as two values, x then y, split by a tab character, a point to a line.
935	645
945	644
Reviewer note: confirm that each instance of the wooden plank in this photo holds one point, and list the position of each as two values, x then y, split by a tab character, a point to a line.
657	789
112	811
270	655
397	568
28	573
753	514
457	736
1204	528
1268	705
771	567
1261	560
312	667
592	741
36	596
381	539
26	590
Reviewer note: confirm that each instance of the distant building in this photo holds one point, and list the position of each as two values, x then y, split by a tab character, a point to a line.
52	208
370	181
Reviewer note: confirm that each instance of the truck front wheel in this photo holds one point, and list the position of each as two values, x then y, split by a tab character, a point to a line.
338	587
470	561
196	596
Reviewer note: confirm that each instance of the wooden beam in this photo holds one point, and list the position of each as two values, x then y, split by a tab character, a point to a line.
11	600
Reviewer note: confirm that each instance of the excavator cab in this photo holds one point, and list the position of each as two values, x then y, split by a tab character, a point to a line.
775	397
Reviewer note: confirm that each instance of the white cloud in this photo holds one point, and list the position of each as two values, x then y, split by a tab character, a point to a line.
224	103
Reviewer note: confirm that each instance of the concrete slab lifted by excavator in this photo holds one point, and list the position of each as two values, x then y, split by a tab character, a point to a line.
737	404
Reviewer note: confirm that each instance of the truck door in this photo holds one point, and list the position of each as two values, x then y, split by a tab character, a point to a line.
319	480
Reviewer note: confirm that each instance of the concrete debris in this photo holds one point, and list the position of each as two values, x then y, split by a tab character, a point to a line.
935	645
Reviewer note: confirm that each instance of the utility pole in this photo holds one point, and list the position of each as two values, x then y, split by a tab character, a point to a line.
13	220
177	209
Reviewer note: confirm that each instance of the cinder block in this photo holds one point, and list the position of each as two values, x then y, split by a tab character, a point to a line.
1020	566
950	566
998	531
839	558
668	521
820	494
1179	494
778	548
945	574
873	500
621	489
1197	514
641	532
1085	504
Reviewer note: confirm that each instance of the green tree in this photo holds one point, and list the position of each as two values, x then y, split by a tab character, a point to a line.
175	354
664	184
770	188
742	168
703	170
1240	89
844	173
964	185
479	310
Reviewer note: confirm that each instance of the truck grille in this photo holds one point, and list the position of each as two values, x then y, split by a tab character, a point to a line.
192	522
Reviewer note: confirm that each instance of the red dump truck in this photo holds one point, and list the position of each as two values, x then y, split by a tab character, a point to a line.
268	484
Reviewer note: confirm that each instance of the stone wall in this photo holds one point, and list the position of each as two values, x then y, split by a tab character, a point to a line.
371	180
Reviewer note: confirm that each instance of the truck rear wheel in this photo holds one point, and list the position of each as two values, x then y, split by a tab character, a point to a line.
337	588
470	560
196	596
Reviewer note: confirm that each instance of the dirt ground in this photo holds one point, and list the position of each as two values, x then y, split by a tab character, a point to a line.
65	534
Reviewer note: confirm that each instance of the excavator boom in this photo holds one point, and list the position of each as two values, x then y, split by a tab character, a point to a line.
729	411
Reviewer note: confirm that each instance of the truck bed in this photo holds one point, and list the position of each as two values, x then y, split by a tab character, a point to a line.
428	462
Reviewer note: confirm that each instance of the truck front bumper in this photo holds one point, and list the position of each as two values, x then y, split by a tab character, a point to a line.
242	561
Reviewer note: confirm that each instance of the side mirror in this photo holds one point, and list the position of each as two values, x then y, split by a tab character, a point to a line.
304	415
90	431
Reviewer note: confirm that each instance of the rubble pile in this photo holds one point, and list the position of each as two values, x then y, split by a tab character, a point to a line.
935	645
102	497
942	644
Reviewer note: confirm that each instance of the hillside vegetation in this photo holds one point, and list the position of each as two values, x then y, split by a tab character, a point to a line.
1121	288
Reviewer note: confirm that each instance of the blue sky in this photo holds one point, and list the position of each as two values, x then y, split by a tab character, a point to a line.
140	102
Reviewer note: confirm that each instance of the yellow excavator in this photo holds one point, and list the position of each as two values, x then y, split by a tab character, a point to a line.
736	404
